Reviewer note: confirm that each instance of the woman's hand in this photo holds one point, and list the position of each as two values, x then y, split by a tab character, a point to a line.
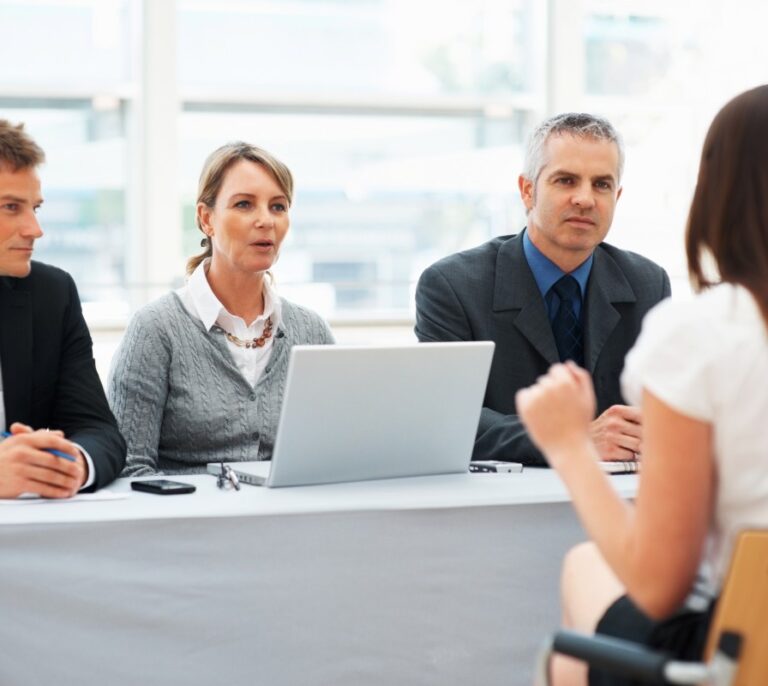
558	410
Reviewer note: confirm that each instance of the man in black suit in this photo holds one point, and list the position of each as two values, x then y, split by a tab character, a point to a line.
553	292
52	398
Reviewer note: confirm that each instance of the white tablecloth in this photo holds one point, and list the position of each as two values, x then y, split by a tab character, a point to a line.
433	580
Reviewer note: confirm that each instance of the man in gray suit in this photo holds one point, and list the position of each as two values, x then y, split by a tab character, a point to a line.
553	292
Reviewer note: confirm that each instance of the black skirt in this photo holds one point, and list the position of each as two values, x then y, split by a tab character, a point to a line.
683	635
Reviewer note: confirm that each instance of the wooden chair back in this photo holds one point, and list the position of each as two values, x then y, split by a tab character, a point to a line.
743	608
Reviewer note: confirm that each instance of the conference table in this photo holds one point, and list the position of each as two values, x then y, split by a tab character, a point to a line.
432	580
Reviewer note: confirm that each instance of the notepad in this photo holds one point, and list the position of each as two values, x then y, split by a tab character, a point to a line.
495	466
620	466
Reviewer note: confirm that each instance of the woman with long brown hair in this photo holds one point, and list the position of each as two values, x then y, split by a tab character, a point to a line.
698	374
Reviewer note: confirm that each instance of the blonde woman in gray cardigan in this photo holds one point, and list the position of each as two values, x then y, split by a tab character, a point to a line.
200	373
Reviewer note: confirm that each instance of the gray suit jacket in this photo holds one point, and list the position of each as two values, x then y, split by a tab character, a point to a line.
489	293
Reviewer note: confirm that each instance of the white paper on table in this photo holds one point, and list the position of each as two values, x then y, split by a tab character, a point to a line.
31	499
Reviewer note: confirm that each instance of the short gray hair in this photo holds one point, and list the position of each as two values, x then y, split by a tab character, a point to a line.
577	124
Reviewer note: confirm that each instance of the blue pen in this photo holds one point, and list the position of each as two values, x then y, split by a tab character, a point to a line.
58	453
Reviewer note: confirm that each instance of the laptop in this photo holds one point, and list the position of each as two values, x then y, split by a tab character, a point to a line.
354	413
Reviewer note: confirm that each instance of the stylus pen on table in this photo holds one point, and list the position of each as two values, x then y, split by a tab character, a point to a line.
53	451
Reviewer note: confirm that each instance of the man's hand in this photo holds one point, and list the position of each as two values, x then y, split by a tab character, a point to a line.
617	432
27	467
557	410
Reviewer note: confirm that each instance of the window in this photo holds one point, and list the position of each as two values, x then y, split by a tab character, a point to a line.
383	194
402	120
70	95
660	71
402	123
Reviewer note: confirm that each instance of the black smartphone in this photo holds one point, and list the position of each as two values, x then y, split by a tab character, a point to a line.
163	487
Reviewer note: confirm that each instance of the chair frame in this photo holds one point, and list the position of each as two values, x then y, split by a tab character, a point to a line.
737	643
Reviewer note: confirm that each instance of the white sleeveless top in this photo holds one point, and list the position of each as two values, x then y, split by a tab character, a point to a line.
708	359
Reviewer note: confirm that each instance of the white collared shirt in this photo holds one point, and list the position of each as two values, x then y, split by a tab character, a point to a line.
201	303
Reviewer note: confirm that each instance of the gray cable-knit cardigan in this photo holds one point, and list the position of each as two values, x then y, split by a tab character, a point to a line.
181	401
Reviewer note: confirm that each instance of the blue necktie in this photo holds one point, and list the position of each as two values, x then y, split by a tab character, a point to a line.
566	325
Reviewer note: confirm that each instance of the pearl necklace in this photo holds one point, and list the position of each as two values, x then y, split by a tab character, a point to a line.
256	342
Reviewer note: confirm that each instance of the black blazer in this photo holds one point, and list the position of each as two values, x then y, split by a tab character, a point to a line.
489	293
49	375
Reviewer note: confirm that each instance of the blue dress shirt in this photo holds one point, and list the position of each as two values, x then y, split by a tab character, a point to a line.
546	273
